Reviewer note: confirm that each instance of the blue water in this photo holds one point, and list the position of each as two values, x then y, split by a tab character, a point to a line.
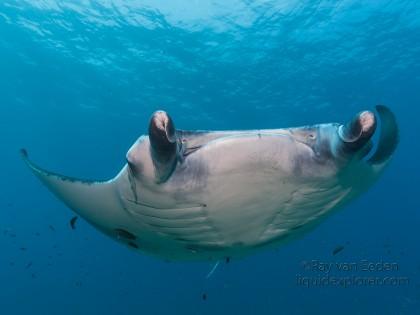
78	83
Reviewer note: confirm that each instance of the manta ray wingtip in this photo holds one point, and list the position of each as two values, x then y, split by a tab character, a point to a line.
25	156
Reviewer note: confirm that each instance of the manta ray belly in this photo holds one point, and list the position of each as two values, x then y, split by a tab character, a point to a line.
253	199
218	204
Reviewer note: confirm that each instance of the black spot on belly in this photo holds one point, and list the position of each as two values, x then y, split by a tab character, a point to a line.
191	248
132	244
121	233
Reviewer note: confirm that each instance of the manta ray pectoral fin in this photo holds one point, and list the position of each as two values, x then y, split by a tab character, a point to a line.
94	201
164	145
389	136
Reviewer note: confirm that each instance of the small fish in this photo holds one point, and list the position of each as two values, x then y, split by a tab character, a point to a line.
337	249
51	228
28	265
204	296
23	248
227	260
73	222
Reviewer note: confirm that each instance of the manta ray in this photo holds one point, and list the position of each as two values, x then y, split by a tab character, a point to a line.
209	195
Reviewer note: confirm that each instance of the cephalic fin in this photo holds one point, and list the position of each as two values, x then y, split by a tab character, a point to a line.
389	136
164	145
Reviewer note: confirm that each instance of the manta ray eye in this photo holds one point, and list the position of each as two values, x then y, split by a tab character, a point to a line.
312	136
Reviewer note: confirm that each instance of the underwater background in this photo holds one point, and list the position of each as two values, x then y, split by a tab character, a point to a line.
78	83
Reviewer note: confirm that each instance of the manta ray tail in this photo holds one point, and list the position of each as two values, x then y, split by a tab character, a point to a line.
94	201
213	269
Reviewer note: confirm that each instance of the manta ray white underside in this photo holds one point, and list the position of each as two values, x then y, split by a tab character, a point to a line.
206	195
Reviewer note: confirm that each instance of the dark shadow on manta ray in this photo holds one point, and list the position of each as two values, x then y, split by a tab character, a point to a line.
208	195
